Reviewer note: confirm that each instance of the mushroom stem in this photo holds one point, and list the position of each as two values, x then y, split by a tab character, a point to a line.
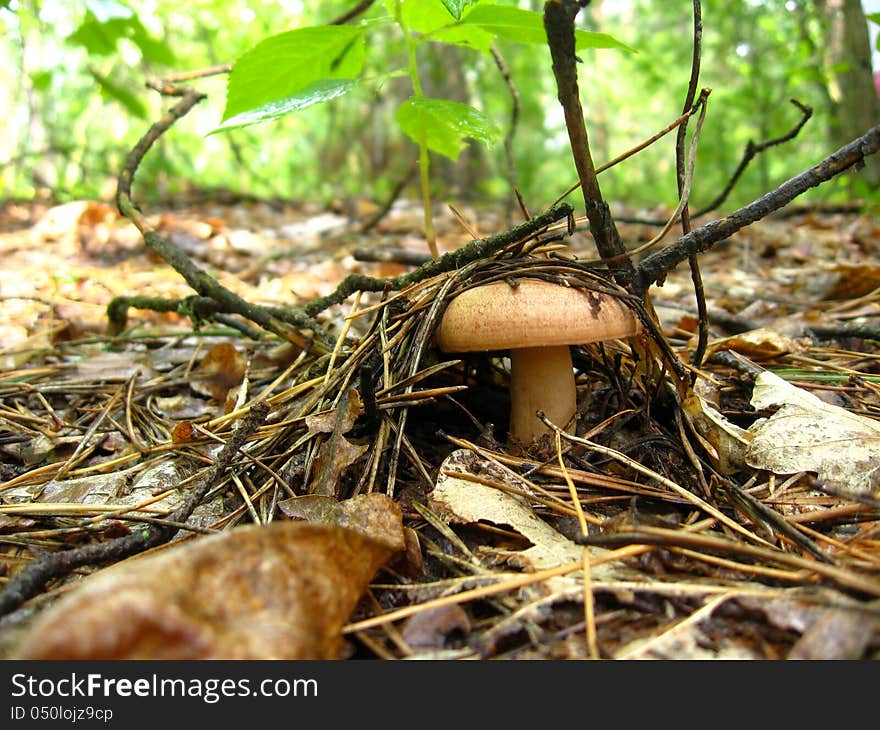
541	378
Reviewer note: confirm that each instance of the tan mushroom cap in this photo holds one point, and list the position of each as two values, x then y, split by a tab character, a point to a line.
534	313
536	320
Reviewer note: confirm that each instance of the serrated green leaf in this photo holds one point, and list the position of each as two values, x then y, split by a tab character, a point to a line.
285	65
445	125
316	93
526	26
457	7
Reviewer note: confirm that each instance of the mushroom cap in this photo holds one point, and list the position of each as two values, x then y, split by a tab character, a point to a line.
533	313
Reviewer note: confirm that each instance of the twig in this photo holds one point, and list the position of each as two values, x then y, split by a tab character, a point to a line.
351	14
504	70
693	261
664	537
655	267
203	283
752	150
33	579
559	18
392	197
475	250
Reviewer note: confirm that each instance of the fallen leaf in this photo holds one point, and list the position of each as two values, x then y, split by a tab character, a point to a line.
838	634
433	628
339	419
853	281
219	371
366	513
758	345
337	453
807	434
467	502
279	592
725	442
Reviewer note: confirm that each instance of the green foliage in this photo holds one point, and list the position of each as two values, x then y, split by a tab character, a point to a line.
122	94
291	71
445	124
73	87
106	23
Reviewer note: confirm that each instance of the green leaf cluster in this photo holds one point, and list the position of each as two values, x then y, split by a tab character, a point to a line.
293	70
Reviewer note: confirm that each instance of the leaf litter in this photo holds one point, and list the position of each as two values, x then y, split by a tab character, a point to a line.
101	434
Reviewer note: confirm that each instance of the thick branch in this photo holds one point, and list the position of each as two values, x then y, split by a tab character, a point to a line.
559	18
655	267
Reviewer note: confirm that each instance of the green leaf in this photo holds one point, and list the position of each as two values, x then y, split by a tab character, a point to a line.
151	49
41	80
526	26
461	35
426	16
315	93
101	37
457	7
432	19
119	93
444	124
285	65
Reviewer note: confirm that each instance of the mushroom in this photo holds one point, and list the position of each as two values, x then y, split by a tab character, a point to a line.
536	320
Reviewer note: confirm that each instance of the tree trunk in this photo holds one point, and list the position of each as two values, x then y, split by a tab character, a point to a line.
851	79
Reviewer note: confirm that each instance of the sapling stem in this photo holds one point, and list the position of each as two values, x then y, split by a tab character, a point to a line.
424	157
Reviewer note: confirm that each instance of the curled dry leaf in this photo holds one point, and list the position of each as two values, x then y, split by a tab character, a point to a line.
461	500
277	592
434	627
337	453
807	434
724	441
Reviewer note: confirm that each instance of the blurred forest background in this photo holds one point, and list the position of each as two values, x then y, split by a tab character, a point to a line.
74	102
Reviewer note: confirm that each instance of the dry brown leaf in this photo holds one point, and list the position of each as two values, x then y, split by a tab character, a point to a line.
432	628
337	453
724	441
758	345
339	419
277	592
853	281
219	371
838	634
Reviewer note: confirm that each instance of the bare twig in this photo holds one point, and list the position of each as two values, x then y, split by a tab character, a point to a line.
693	261
559	18
655	267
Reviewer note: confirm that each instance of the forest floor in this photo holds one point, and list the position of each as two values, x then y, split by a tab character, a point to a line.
735	525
